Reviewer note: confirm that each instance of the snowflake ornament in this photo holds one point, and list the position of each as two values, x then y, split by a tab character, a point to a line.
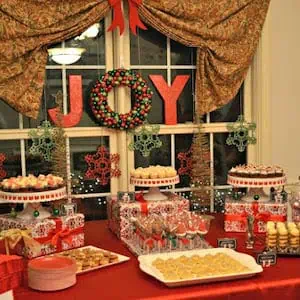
185	159
42	141
2	170
241	134
146	139
100	165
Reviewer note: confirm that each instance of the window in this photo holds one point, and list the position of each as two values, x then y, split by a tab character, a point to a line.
150	53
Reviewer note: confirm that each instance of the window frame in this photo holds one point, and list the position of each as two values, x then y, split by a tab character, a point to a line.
256	108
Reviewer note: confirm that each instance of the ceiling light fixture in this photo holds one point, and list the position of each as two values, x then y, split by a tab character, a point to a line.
65	56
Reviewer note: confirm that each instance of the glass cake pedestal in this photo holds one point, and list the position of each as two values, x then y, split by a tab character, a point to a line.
154	194
255	186
33	201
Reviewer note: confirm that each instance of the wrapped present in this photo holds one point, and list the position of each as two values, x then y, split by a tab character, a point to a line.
52	235
119	213
236	212
11	272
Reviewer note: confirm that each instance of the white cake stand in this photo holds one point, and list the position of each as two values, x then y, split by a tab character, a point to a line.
33	198
154	194
256	186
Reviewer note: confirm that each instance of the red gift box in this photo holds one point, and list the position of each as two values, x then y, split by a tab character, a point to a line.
11	272
236	212
53	234
119	213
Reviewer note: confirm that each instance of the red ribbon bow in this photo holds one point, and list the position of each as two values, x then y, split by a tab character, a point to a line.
118	19
144	204
64	234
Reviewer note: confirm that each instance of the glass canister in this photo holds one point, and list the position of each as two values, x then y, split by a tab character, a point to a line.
294	200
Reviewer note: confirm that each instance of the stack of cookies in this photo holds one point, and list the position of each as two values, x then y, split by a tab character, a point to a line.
283	237
271	237
293	236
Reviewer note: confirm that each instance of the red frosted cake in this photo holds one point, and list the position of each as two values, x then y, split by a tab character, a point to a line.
256	171
31	183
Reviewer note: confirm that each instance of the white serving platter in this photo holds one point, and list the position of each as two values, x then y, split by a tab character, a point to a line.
245	259
121	259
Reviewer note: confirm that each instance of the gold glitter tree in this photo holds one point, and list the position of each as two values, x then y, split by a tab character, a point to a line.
59	163
201	175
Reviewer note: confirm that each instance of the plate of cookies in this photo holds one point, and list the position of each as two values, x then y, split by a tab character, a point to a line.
90	258
199	266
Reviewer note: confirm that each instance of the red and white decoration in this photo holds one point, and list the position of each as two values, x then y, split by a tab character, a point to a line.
54	234
34	197
256	182
119	213
235	218
154	193
102	165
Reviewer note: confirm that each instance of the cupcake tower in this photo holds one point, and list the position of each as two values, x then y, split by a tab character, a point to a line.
256	177
33	190
31	183
154	177
283	237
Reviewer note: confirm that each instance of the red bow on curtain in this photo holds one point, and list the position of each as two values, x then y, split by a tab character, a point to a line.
134	19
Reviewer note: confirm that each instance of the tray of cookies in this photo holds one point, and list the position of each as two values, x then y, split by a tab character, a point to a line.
90	258
283	238
182	268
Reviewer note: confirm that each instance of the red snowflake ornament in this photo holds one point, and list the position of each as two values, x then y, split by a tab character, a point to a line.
185	159
100	165
2	171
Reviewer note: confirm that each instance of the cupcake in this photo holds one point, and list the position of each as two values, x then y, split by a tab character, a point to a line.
154	174
232	172
145	174
41	185
170	172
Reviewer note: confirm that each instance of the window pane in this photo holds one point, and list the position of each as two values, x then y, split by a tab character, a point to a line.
219	199
185	104
53	84
230	111
12	163
148	47
182	55
11	167
79	148
95	48
89	78
225	157
36	164
156	114
92	208
9	118
160	156
183	143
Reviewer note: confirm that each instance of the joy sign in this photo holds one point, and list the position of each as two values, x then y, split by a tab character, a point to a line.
169	94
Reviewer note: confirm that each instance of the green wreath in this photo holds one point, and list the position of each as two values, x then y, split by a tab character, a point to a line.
104	115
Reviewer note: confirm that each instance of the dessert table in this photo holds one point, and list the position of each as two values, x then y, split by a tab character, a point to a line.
127	281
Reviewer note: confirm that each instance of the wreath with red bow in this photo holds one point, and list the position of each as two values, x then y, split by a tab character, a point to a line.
102	112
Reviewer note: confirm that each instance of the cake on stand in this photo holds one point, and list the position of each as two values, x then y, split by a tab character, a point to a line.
34	200
255	186
154	194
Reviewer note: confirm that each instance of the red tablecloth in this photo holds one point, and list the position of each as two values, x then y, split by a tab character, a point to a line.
126	281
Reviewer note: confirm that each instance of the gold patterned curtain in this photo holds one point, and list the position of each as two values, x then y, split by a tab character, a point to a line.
27	27
226	34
